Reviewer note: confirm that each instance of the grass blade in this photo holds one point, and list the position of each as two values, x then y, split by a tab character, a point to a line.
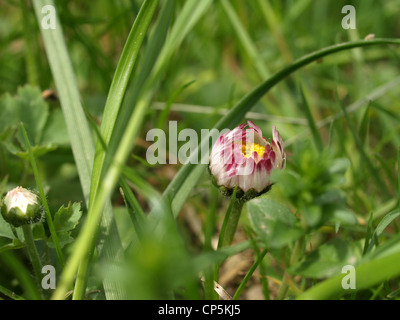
311	122
78	129
79	132
116	94
119	85
368	274
102	187
43	198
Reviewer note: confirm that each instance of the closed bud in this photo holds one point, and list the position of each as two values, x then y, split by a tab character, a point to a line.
21	206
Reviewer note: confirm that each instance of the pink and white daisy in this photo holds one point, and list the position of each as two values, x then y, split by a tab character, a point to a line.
243	157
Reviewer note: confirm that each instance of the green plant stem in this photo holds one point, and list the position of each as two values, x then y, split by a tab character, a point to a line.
294	257
249	274
232	221
33	254
43	198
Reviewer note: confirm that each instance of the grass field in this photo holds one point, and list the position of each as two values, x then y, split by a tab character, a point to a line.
83	85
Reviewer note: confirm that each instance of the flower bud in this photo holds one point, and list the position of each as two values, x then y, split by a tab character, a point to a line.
20	206
242	157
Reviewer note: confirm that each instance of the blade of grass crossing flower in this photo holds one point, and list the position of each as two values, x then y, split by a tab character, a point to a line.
236	114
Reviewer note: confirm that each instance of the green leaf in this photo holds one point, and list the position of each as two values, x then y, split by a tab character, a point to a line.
67	218
273	223
372	270
33	111
386	221
8	112
328	259
29	107
36	150
55	131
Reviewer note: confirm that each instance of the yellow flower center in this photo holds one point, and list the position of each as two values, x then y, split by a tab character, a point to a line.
248	149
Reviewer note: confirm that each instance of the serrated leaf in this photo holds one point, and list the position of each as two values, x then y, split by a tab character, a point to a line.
67	218
328	259
273	222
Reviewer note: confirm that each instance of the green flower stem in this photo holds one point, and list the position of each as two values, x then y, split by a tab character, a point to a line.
232	221
249	274
293	259
43	198
33	254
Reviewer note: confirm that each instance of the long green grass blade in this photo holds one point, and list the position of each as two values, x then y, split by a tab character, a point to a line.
119	85
115	97
79	132
245	39
367	275
103	185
